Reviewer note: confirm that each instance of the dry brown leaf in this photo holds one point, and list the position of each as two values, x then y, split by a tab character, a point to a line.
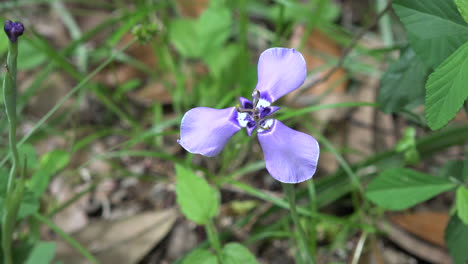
427	225
120	241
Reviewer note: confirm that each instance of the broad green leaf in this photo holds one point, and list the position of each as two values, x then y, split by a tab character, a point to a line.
435	28
398	189
456	239
49	165
462	204
235	253
198	201
195	38
446	89
200	256
28	152
462	6
183	35
43	252
219	64
402	85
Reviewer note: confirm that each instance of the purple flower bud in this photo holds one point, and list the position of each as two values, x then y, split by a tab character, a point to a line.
13	30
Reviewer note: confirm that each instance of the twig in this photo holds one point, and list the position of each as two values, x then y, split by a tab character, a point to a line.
343	56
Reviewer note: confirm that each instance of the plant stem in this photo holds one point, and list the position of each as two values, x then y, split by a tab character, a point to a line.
13	195
289	190
214	239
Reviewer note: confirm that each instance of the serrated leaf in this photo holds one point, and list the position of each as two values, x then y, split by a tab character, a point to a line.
235	253
462	204
200	256
198	201
398	189
446	89
435	28
43	252
402	85
462	6
50	164
456	239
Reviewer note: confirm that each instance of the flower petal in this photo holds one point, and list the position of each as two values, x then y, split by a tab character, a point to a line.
206	130
280	71
291	156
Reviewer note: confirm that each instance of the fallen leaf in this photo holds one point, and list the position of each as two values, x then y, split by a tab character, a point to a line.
120	241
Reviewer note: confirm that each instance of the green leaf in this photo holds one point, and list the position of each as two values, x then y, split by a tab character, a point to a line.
402	85
195	38
29	205
446	88
462	6
456	239
198	201
29	56
49	165
435	28
398	189
200	256
43	252
235	253
462	204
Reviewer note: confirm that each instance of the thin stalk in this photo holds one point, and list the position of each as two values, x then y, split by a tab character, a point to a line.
13	195
70	240
214	239
289	190
313	208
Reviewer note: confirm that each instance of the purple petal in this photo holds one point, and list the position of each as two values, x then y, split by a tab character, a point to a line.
245	103
291	156
206	130
280	71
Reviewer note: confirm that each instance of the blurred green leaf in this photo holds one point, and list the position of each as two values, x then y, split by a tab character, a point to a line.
435	28
198	201
195	38
456	239
462	6
402	85
462	204
49	165
28	152
29	205
218	64
452	168
200	256
43	252
446	88
235	253
29	57
398	189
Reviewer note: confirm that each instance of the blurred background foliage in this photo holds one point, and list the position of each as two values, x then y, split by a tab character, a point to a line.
103	86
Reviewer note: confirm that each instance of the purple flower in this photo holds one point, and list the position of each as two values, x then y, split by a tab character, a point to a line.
13	30
291	156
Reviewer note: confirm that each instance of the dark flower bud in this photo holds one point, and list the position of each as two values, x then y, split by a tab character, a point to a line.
13	30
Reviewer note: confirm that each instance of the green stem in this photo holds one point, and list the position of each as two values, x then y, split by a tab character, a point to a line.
9	93
303	244
313	209
13	195
214	239
70	240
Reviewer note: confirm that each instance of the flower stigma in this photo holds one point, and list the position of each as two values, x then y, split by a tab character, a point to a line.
254	114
